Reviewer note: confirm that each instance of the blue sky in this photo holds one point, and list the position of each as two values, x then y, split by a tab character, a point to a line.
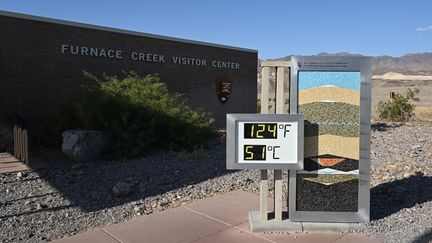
313	79
274	28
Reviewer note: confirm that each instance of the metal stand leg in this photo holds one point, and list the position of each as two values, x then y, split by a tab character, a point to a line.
287	200
278	194
264	195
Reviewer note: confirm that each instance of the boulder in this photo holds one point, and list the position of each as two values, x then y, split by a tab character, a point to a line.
85	145
122	189
125	187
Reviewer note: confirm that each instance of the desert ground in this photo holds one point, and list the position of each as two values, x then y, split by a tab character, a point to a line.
381	89
50	203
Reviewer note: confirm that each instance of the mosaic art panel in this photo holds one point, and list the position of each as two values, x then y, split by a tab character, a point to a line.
330	103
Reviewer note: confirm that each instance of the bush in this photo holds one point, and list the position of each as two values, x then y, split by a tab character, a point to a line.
399	108
138	111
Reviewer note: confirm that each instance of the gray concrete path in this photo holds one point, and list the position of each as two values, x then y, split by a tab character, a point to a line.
223	218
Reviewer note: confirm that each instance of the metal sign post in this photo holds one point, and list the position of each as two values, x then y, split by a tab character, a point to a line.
283	147
328	186
265	141
281	67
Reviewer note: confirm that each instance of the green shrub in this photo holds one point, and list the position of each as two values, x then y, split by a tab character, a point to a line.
398	109
138	112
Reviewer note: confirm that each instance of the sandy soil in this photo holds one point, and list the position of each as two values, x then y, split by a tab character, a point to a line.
329	94
381	91
400	76
330	144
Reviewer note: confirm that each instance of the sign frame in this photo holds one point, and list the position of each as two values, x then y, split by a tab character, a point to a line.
337	63
232	121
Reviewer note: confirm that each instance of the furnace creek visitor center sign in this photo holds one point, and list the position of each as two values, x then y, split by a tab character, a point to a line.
42	59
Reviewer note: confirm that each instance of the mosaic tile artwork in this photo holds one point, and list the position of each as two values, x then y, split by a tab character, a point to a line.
335	196
330	103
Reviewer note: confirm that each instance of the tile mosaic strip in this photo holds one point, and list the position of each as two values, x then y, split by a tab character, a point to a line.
326	94
311	164
329	171
337	197
347	147
330	103
314	128
330	111
347	80
327	161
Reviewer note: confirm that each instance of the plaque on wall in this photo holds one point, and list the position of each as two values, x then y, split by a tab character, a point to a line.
223	88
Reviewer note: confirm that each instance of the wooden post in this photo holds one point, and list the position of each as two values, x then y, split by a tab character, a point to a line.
264	195
279	109
278	173
280	83
278	194
15	133
25	146
265	84
19	142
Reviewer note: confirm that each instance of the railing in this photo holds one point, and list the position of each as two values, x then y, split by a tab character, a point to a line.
21	144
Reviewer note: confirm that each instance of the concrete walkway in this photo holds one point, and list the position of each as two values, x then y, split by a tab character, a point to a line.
223	218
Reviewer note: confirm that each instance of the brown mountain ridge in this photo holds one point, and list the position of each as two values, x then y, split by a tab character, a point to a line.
409	64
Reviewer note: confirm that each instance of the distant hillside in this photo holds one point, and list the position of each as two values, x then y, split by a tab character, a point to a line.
409	64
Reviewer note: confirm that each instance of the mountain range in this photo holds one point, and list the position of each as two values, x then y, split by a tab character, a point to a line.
409	64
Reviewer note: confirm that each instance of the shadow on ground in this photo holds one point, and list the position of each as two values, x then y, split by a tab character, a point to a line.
90	186
382	126
391	197
424	238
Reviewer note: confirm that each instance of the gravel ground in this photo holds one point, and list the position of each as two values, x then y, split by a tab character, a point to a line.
51	203
401	183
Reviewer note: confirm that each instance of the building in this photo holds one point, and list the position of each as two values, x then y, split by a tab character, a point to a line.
42	58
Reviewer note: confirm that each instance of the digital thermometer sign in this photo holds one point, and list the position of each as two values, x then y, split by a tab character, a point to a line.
264	141
260	130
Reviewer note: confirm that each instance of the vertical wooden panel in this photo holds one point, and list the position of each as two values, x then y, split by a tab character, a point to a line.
25	147
278	194
15	134
264	195
265	85
280	84
19	137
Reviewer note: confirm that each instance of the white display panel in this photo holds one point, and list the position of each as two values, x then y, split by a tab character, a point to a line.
265	141
260	142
